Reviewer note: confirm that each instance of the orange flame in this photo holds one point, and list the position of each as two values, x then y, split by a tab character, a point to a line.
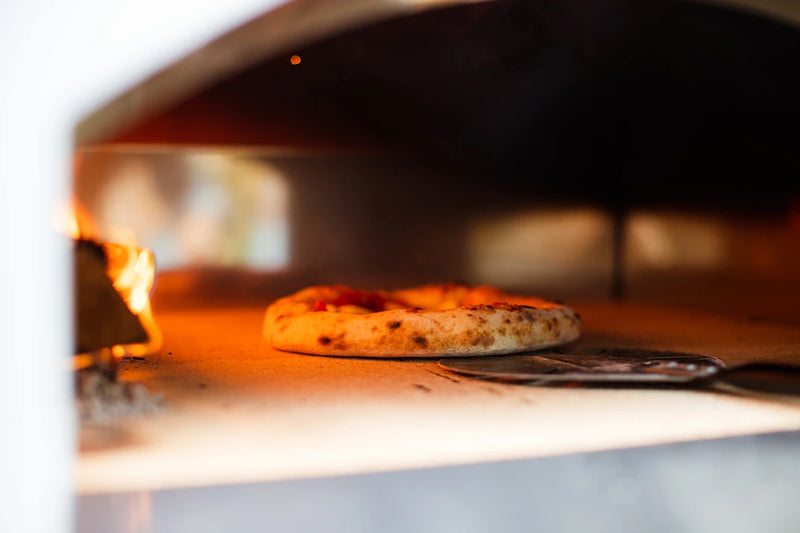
131	269
72	219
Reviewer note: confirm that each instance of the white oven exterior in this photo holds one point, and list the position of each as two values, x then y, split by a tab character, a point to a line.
58	62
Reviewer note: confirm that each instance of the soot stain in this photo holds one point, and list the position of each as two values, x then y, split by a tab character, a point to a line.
324	340
394	324
422	341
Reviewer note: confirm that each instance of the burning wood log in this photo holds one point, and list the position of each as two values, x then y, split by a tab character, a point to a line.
103	318
112	295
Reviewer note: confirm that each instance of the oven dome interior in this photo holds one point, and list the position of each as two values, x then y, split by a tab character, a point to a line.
402	140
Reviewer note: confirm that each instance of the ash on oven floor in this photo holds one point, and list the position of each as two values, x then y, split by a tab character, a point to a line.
100	398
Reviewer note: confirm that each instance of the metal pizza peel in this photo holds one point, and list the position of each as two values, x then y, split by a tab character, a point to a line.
626	367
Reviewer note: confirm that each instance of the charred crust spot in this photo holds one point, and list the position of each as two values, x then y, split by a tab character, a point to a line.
394	324
282	317
423	388
340	346
420	340
507	321
324	340
549	325
483	340
373	329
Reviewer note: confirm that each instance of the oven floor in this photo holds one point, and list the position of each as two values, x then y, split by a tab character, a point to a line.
237	411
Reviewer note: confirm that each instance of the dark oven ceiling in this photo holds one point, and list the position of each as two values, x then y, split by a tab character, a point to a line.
616	100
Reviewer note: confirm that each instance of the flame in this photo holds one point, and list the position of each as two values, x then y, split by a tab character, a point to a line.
71	219
131	269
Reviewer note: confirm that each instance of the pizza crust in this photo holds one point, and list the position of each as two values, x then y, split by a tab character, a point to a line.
447	320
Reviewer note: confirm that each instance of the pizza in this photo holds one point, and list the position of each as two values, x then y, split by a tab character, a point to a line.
437	320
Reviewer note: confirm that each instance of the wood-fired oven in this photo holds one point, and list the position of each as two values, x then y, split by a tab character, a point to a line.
639	161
